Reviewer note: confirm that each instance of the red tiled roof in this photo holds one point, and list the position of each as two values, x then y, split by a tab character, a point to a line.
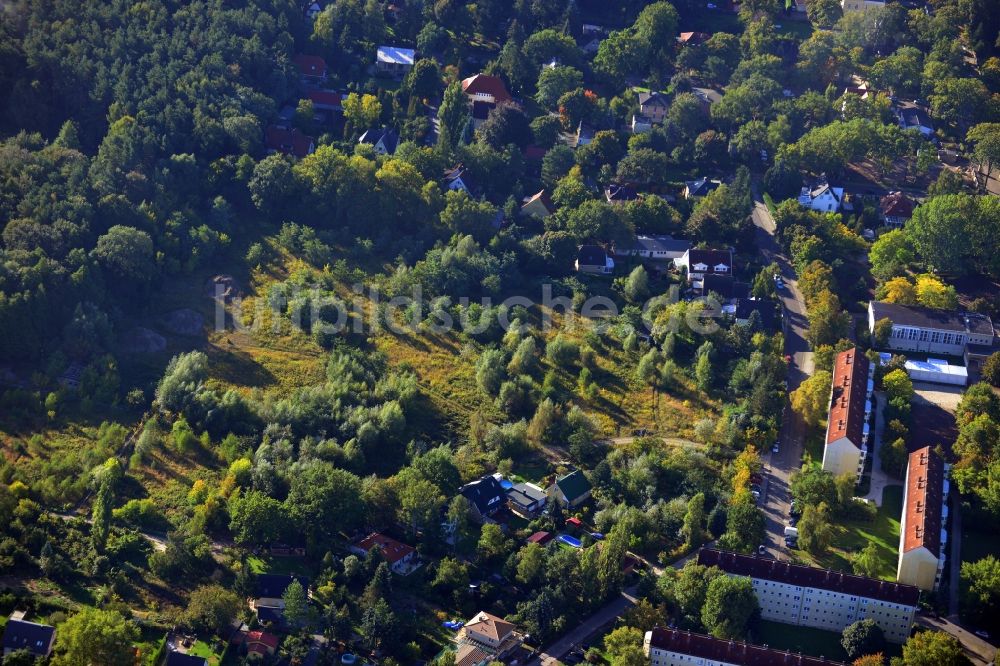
325	98
393	551
574	521
540	538
544	198
924	489
847	404
730	652
896	204
484	84
803	576
693	37
288	141
310	65
258	641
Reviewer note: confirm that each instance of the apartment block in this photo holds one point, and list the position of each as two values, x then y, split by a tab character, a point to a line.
922	537
673	647
847	427
811	597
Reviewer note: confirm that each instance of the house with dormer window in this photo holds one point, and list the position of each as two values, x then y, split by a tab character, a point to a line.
700	263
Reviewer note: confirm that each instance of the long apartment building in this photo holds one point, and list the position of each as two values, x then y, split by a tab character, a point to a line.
673	647
922	536
820	598
847	426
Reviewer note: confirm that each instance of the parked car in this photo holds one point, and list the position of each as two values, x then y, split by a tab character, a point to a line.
775	448
762	549
791	543
982	633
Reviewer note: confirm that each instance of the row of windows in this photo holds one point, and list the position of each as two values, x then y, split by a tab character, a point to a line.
923	335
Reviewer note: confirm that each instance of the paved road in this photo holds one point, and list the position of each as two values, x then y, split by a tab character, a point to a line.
779	466
879	479
553	653
979	651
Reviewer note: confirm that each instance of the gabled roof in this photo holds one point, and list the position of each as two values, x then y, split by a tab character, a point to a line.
654	98
468	654
392	551
912	115
924	494
541	197
388	137
724	285
848	397
592	255
459	172
693	38
395	55
288	141
616	193
484	84
310	65
747	306
325	98
31	636
701	187
257	641
717	650
274	585
526	493
574	484
799	575
181	659
541	538
896	204
490	625
659	244
710	258
486	494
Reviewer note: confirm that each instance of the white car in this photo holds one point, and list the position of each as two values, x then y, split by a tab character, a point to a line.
774	449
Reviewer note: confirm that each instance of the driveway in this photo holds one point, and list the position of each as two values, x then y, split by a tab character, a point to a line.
879	479
553	653
776	499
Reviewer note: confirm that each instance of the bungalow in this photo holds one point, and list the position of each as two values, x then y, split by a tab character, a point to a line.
394	60
181	659
571	490
700	263
822	197
485	88
288	141
538	205
526	499
620	194
541	538
486	496
915	117
584	134
312	69
267	599
458	178
895	209
694	189
31	636
594	259
401	558
383	139
654	105
656	247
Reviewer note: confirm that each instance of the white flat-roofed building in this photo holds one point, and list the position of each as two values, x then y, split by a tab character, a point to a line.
811	597
920	329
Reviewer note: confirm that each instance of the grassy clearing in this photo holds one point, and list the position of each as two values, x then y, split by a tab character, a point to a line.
807	640
852	536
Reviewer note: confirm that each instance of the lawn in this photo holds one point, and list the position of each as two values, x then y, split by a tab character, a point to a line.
260	564
807	640
205	651
852	536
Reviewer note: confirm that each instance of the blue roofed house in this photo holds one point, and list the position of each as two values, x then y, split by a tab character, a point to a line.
486	496
394	60
31	636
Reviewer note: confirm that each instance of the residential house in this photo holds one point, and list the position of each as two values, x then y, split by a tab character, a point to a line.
895	209
861	5
486	496
538	205
847	426
699	263
655	247
912	116
811	597
742	310
726	287
326	100
929	330
571	490
72	376
693	38
401	558
34	637
620	194
592	46
267	599
485	88
591	29
258	644
526	499
594	259
288	141
694	189
313	10
394	60
312	69
641	124
707	97
175	658
486	638
822	197
654	105
923	539
584	134
676	647
383	139
541	538
458	178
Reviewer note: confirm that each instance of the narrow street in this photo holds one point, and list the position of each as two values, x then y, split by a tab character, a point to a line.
777	498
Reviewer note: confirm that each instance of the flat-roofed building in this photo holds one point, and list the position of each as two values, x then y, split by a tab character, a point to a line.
922	535
847	426
812	597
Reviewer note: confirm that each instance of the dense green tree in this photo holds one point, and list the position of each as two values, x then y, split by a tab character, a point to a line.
730	603
933	648
863	637
94	636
